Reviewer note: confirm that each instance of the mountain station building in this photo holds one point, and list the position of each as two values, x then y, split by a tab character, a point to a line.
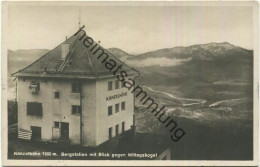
66	95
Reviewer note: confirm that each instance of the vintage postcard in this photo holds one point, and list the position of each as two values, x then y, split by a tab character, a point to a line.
130	83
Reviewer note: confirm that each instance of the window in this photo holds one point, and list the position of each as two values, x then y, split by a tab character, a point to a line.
117	129
116	84
117	108
34	108
123	126
110	108
35	86
122	84
110	132
76	87
56	95
123	106
110	85
56	124
75	110
35	83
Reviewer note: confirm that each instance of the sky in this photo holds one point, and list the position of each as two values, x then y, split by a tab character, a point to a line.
134	29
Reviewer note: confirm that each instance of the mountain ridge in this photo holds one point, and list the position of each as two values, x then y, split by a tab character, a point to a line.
205	51
119	53
200	67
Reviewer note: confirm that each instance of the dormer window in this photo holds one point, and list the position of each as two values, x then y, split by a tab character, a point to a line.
34	87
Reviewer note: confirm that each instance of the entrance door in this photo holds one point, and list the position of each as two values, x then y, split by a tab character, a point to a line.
36	132
64	131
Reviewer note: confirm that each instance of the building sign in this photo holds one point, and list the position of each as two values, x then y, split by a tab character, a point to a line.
116	96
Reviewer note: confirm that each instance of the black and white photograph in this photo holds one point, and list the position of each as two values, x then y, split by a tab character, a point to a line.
159	83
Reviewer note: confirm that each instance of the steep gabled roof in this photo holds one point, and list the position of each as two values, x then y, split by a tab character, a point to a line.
79	63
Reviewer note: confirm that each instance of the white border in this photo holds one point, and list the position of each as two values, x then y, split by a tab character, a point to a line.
5	161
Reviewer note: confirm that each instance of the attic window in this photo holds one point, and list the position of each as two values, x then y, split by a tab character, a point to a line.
35	86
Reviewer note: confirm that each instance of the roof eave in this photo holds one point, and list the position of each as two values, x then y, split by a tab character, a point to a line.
68	76
43	75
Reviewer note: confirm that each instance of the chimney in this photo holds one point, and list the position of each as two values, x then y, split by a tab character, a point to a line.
65	47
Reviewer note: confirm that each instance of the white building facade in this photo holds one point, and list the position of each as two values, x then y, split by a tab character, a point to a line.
54	111
68	95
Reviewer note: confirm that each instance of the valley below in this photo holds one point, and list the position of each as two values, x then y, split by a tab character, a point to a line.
216	129
209	96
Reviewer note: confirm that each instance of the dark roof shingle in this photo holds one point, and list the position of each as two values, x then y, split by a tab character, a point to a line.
82	63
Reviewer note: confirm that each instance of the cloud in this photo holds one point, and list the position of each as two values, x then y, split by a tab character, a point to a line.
164	62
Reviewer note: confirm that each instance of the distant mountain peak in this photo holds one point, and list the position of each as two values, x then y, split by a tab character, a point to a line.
226	43
119	53
218	43
218	47
200	51
116	49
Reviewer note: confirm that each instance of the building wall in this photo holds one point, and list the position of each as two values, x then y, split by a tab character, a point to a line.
89	113
24	96
96	121
104	122
58	109
61	108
